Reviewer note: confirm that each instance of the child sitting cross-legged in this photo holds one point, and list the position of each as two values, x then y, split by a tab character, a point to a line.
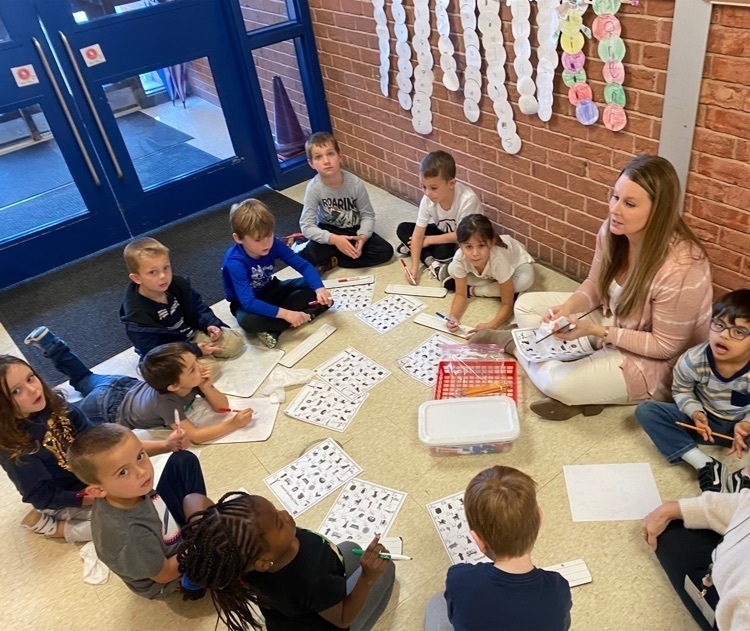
711	390
508	594
262	303
161	307
250	554
37	425
136	527
173	378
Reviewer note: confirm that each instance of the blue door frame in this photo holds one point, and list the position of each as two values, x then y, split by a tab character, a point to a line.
31	253
133	43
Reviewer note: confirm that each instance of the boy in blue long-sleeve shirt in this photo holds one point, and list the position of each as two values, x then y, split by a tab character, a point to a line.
262	303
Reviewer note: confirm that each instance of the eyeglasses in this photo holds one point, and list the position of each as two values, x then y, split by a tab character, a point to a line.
738	333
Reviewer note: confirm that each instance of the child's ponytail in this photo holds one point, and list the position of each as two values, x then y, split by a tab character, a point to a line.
218	546
478	226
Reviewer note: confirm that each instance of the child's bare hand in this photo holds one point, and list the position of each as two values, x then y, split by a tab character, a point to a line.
177	440
206	378
372	565
324	296
741	432
344	245
296	318
553	313
214	332
701	422
243	419
207	349
412	274
359	244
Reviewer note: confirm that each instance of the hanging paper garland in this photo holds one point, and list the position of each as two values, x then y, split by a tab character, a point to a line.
403	50
521	27
572	39
547	22
421	109
607	29
384	43
445	46
490	26
472	72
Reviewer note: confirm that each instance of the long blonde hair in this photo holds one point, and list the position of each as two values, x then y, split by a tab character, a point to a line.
657	177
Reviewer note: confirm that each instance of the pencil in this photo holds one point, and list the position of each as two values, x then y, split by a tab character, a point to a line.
698	429
408	272
562	329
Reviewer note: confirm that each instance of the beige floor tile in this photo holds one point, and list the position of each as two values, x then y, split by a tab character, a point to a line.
42	582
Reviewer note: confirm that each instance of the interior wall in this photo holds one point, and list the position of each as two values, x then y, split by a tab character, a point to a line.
553	195
718	201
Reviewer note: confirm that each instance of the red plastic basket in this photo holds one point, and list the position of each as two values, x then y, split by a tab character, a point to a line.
453	377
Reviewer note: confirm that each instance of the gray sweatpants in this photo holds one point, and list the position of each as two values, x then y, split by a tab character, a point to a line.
436	614
380	593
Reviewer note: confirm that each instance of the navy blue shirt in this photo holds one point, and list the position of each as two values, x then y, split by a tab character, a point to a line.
483	598
40	478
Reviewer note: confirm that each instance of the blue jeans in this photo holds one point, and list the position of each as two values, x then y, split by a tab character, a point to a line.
102	394
658	420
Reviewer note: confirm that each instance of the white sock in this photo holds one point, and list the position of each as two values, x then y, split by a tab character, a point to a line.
696	458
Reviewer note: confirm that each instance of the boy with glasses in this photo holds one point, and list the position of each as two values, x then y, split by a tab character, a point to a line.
711	389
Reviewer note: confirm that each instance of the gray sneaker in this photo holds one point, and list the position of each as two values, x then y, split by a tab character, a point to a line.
269	339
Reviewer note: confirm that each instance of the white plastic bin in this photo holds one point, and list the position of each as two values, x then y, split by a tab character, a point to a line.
469	425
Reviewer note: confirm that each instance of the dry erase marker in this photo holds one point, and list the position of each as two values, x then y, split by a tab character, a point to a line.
312	303
384	555
177	418
446	318
346	280
82	494
408	272
228	410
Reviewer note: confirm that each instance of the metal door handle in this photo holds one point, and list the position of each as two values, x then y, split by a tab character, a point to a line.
87	94
66	111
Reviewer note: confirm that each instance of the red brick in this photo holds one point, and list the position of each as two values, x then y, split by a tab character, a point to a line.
731	69
729	279
707	141
735	240
729	41
658	8
640	28
598	153
728	122
706	231
721	94
729	171
655	56
735	17
721	214
720	256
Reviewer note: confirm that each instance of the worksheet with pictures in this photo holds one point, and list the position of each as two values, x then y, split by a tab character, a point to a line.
527	345
422	362
351	373
321	404
353	298
450	520
390	312
312	477
361	511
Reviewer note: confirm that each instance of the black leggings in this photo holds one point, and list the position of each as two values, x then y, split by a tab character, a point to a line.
684	552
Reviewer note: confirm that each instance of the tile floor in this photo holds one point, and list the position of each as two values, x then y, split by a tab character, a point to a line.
42	584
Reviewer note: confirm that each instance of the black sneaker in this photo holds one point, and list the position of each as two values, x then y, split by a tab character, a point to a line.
737	481
713	477
316	309
403	249
327	267
450	283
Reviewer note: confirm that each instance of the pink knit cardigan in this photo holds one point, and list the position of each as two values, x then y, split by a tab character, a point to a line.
674	317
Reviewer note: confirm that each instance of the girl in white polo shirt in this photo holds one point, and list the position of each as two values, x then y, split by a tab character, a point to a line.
486	264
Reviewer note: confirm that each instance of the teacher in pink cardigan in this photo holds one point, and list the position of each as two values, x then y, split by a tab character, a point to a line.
652	278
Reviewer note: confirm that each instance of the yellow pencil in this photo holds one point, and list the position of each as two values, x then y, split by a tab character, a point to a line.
698	429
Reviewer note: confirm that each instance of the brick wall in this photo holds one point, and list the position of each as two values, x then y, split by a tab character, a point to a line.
201	81
718	204
553	195
279	59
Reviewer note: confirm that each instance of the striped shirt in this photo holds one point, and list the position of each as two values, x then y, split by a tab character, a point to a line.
697	386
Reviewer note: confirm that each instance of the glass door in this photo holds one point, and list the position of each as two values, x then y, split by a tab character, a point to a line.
55	202
163	89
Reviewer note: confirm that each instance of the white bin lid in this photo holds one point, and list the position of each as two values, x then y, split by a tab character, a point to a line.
470	420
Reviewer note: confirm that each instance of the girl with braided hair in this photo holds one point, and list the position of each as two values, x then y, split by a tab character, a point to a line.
249	554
